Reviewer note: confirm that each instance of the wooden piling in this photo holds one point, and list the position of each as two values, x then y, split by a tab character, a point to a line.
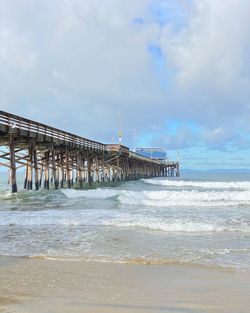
46	169
61	170
72	170
96	169
13	181
53	159
36	166
68	169
30	168
41	174
89	165
26	176
80	162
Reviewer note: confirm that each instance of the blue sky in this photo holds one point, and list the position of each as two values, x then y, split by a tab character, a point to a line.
169	73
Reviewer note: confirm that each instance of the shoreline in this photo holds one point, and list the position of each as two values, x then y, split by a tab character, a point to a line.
37	285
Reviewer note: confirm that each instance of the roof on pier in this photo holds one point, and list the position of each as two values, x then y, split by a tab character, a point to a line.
158	153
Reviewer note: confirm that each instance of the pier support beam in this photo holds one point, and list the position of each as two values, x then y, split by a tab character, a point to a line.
80	162
61	170
97	169
56	183
90	179
36	167
103	169
30	169
68	169
12	165
72	170
117	176
46	170
41	174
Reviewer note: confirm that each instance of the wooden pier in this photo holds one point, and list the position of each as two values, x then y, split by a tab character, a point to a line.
53	157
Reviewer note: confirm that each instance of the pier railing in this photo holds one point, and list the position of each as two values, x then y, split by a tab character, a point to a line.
17	122
169	163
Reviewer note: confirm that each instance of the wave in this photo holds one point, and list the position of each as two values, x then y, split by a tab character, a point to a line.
45	195
201	260
5	194
122	220
100	193
172	225
182	225
167	198
157	198
245	185
31	196
95	259
185	198
48	218
137	261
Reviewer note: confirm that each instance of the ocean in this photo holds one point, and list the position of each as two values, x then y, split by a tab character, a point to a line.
198	218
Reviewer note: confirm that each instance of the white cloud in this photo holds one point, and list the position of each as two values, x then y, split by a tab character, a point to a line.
87	60
84	59
212	48
210	58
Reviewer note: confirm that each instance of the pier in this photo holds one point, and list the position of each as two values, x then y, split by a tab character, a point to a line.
55	158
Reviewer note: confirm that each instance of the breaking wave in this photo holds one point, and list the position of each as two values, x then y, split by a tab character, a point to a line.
244	185
167	198
186	198
88	218
183	225
100	193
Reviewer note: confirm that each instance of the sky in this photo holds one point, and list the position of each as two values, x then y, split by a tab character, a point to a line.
171	73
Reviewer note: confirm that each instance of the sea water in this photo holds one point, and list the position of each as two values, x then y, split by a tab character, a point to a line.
199	218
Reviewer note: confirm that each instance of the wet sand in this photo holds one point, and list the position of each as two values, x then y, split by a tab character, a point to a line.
46	286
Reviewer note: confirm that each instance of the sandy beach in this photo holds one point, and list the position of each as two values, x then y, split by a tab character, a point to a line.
42	286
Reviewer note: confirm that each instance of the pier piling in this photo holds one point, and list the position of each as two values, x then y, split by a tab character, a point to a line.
12	164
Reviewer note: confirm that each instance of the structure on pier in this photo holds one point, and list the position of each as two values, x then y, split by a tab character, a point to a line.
53	156
170	168
156	153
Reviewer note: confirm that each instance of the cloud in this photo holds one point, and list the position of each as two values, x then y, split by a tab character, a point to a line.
76	64
210	56
85	59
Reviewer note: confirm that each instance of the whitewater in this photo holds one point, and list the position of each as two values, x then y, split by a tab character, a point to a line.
198	219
